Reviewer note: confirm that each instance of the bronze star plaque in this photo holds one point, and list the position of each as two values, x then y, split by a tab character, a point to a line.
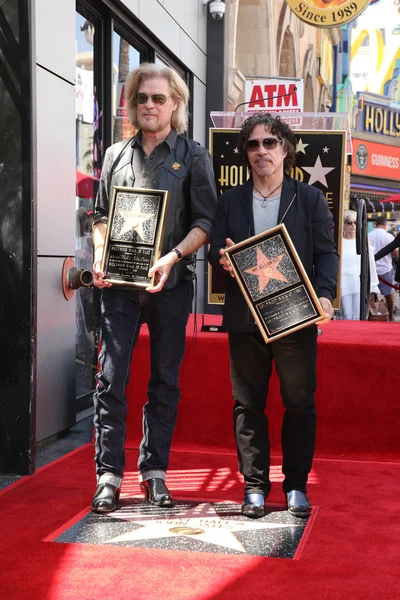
274	283
134	235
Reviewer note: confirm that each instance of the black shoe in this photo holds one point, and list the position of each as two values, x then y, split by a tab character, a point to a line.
106	498
253	506
298	504
157	492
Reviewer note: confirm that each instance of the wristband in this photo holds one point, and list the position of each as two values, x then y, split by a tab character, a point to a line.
178	253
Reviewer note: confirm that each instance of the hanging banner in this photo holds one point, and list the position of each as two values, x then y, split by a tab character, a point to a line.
327	13
320	161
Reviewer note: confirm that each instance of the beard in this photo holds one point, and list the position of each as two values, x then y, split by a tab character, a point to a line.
264	168
153	125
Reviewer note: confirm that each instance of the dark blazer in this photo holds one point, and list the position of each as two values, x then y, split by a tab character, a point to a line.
192	200
306	215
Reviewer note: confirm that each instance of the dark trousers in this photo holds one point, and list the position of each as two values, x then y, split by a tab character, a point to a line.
251	367
122	314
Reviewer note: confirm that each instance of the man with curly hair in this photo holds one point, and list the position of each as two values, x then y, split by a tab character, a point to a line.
268	146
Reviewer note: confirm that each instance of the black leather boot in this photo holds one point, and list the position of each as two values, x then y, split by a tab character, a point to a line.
298	504
157	492
254	506
106	498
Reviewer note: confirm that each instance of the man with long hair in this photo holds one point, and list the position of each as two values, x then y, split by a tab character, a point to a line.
157	157
267	146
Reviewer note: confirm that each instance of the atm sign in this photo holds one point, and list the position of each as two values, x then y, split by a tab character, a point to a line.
274	95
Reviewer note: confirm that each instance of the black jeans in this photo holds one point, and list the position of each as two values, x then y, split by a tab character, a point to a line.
122	314
251	367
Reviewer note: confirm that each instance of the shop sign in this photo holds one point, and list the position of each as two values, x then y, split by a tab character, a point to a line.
327	13
377	117
274	94
375	160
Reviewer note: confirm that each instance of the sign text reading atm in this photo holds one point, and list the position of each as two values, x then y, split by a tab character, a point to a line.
275	95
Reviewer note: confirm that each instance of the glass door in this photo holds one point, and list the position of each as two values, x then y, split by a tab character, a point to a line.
89	158
127	55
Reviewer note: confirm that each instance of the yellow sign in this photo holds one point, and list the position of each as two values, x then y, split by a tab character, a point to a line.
327	13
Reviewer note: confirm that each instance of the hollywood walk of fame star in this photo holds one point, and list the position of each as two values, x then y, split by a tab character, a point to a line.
201	522
134	219
266	269
325	150
318	172
301	147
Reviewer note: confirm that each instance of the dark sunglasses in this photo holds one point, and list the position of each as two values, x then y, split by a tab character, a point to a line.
268	144
159	99
351	222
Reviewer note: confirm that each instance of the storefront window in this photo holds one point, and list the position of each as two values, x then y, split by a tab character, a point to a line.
88	169
126	58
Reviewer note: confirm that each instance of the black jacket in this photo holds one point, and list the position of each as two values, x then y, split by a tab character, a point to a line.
308	220
192	200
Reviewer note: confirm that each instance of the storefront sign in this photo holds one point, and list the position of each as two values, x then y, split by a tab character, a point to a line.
375	115
327	13
375	160
274	94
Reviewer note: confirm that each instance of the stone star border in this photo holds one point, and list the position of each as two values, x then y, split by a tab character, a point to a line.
191	526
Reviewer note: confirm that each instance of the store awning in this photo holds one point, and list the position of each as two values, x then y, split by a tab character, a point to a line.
393	198
84	185
376	203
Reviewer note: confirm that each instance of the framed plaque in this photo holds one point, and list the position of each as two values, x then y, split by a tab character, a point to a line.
134	235
274	283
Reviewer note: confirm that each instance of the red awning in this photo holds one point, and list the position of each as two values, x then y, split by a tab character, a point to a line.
84	185
394	198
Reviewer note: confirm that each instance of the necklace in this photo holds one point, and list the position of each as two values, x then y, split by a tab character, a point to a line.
265	198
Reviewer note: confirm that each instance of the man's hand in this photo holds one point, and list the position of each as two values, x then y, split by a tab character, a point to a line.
223	260
327	308
98	276
161	269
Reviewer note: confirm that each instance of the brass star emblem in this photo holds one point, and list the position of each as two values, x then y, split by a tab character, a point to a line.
266	269
176	166
134	219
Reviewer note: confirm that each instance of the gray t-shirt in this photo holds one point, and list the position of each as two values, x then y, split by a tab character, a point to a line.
265	217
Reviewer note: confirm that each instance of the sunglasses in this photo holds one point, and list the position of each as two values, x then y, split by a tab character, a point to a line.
159	99
351	222
268	144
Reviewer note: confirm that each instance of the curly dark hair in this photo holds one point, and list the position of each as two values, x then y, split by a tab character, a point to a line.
276	127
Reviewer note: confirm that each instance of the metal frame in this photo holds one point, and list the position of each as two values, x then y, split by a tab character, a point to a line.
362	249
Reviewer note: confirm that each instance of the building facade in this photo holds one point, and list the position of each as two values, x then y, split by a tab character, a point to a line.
267	39
61	93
